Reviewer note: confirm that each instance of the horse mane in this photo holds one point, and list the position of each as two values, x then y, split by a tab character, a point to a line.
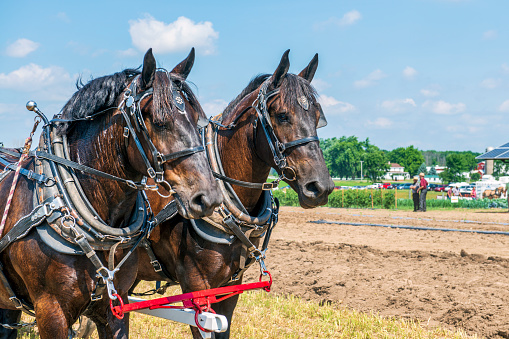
101	93
98	94
292	87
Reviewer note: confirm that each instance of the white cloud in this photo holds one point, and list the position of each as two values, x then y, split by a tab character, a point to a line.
491	83
349	18
429	93
505	68
130	52
335	106
504	107
399	105
179	35
320	84
409	72
444	108
33	77
214	107
63	17
380	123
490	35
21	48
370	80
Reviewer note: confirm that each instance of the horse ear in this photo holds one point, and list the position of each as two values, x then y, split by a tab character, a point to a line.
281	70
309	72
149	70
184	68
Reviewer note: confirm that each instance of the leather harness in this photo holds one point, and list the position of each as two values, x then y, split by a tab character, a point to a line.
235	221
64	217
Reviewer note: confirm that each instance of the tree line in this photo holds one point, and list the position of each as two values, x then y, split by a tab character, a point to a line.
344	157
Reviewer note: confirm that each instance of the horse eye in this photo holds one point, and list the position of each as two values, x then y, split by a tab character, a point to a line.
283	117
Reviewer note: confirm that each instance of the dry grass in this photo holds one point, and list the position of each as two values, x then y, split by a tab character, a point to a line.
266	315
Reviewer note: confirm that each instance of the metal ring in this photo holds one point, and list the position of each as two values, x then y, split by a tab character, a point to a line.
70	218
293	174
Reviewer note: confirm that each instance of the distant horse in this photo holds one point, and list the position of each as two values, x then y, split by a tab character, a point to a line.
271	124
127	125
494	194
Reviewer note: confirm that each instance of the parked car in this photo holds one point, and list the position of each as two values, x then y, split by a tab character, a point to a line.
387	185
404	186
439	188
431	187
466	189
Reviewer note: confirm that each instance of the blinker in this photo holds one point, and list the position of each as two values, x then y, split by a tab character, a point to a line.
322	122
202	122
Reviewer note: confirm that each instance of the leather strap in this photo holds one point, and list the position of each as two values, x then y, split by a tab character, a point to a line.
83	168
40	178
168	212
175	155
266	186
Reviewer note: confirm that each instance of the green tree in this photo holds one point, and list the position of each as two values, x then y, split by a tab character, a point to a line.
475	177
376	163
343	156
422	169
432	171
456	164
446	176
410	158
499	169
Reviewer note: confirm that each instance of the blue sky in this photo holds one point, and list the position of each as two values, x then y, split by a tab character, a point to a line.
428	73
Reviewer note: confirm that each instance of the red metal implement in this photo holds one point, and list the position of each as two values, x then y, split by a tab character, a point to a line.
199	301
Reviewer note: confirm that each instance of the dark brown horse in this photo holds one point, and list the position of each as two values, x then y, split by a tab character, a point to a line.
245	153
165	144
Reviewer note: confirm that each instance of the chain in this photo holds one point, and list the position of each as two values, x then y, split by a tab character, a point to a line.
17	326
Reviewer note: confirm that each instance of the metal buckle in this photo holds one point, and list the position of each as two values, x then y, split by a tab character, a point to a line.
47	209
151	172
267	186
156	265
17	303
131	184
96	297
126	132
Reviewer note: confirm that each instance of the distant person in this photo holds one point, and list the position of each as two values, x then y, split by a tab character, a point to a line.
455	191
423	190
473	194
449	193
415	193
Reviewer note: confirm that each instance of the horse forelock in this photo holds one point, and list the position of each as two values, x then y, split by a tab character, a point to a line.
163	97
292	87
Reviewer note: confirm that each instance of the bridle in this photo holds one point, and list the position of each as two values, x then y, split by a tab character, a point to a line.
130	108
278	148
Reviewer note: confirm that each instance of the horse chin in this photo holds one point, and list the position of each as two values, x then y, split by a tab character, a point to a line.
308	203
314	192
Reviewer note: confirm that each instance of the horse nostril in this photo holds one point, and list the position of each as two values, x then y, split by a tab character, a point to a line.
200	201
313	187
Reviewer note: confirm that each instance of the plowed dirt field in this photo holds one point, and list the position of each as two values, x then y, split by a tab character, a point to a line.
451	279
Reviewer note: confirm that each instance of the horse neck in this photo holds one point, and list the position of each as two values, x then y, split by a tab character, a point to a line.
237	149
101	146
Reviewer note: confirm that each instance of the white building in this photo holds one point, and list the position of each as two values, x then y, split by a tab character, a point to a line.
396	172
